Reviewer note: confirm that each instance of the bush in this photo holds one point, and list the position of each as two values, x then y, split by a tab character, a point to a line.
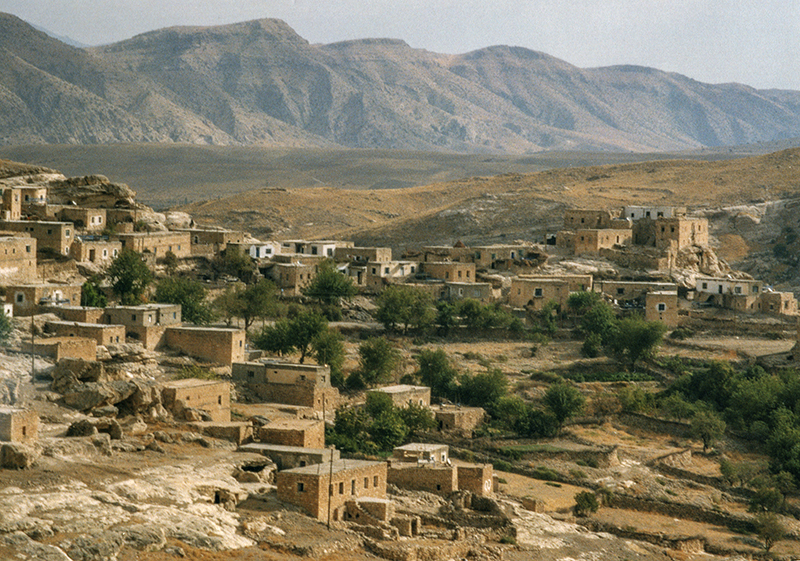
585	503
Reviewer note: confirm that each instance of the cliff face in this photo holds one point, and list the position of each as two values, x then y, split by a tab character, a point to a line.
259	82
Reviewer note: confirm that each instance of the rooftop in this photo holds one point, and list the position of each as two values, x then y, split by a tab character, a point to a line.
333	467
421	447
402	388
257	447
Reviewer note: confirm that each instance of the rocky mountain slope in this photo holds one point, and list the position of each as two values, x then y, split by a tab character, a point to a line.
259	82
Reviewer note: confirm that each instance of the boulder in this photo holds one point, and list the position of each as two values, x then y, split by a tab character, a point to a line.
178	220
17	456
69	372
84	427
85	397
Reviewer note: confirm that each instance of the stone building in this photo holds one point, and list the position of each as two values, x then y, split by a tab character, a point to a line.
17	259
592	241
403	395
305	433
146	323
458	419
211	396
453	271
292	278
781	303
628	290
31	298
637	212
103	334
63	347
662	306
290	457
488	256
322	248
376	276
212	242
219	345
18	425
86	219
363	254
677	233
81	314
51	236
481	291
735	294
86	249
578	219
305	385
440	479
326	488
157	243
418	452
11	206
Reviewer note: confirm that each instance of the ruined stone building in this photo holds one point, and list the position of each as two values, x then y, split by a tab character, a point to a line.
209	396
157	243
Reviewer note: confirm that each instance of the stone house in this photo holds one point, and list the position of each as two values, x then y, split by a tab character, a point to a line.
628	290
363	254
592	241
157	243
326	488
257	249
458	419
677	233
86	249
404	394
305	385
86	219
322	248
17	259
440	479
11	208
211	396
219	345
417	452
578	219
458	252
662	305
377	275
63	347
51	236
535	293
30	298
481	291
290	457
637	212
449	271
292	278
487	256
81	314
305	433
18	425
146	323
735	294
212	242
780	303
103	334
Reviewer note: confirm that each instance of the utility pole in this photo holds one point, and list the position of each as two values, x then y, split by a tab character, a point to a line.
33	348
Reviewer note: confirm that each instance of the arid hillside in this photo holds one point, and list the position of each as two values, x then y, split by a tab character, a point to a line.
500	207
259	82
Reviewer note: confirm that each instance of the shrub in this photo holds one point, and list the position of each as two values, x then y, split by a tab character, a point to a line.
585	503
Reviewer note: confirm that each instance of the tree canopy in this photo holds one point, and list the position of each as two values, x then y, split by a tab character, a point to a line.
296	333
330	286
190	294
401	308
563	401
130	276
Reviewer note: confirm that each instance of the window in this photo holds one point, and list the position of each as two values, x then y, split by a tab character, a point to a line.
375	481
661	307
647	214
755	289
705	286
620	291
374	271
366	483
20	298
386	270
219	400
737	289
301	487
341	487
537	292
133	317
672	229
353	487
459	274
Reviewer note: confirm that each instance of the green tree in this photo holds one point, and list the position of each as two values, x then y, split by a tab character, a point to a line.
417	418
234	262
170	261
190	294
401	308
129	276
295	333
484	389
634	339
547	317
509	409
537	423
676	407
437	372
708	426
92	295
563	401
328	348
599	319
581	302
388	430
766	499
225	305
769	529
257	301
5	328
446	317
377	359
330	286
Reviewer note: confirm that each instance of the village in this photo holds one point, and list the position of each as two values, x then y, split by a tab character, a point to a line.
274	409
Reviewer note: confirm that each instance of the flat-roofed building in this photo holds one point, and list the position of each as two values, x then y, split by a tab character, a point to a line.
31	298
677	233
363	254
662	305
290	457
404	395
450	271
17	259
592	241
579	219
458	419
323	488
51	236
18	425
157	243
481	291
305	385
781	303
211	396
306	433
422	452
637	212
11	208
103	334
94	250
219	345
86	219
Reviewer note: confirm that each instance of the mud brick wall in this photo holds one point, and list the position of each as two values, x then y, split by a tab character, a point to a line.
64	347
306	434
151	338
18	425
316	487
476	479
239	433
303	395
440	480
211	397
220	346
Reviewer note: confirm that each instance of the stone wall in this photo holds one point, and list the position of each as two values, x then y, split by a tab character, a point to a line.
441	480
63	347
303	395
206	395
476	478
305	433
217	345
101	333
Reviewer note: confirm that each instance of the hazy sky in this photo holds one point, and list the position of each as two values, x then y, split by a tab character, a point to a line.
755	42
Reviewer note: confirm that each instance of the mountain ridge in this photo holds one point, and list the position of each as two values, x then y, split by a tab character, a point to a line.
259	82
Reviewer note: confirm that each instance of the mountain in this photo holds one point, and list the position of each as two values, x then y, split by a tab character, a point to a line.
259	82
